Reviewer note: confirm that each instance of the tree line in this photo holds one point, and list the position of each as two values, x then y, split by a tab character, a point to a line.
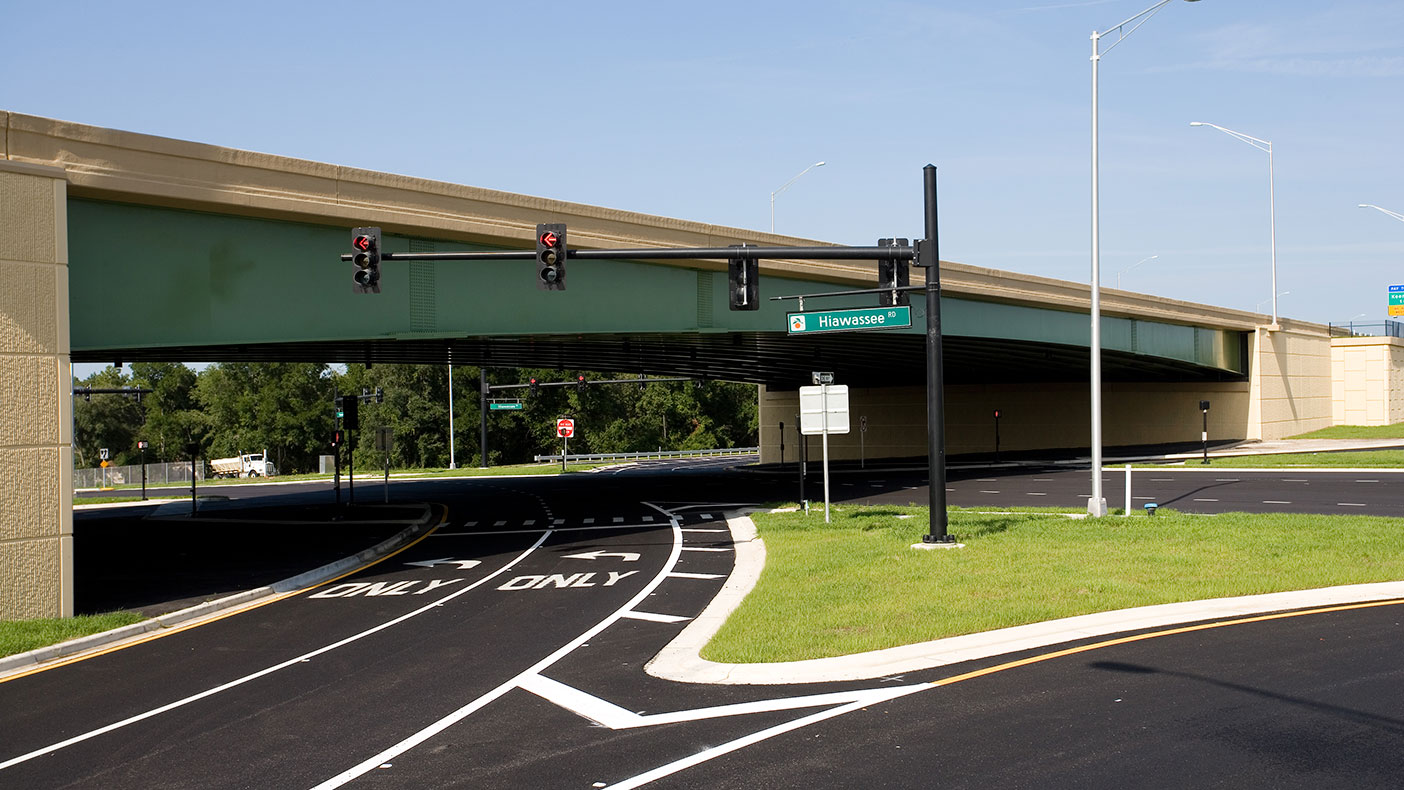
288	409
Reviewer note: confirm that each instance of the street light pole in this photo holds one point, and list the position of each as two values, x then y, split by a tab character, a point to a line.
786	186
1097	504
1261	145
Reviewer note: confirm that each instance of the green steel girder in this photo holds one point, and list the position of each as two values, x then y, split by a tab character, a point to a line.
158	283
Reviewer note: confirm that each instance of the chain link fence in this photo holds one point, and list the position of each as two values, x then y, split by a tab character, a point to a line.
156	474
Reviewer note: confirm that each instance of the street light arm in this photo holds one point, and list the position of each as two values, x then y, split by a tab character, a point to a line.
1122	33
1394	214
1261	145
787	184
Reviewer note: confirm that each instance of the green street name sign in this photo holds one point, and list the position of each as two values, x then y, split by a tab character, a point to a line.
504	407
849	320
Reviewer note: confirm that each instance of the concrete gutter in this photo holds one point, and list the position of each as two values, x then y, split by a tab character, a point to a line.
23	661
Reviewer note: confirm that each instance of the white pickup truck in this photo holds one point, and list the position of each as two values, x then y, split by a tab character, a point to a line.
247	465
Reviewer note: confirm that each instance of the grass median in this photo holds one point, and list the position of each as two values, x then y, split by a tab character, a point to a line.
856	585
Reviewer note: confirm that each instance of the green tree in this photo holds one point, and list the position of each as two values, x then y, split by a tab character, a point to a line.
105	421
173	415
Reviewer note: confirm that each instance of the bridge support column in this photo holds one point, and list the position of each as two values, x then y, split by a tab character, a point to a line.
36	428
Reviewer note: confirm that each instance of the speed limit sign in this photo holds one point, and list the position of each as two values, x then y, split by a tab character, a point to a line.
565	427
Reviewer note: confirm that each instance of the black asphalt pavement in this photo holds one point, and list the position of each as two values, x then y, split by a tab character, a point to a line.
505	649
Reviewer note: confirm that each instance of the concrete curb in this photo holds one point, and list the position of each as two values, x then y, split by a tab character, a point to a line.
20	661
680	660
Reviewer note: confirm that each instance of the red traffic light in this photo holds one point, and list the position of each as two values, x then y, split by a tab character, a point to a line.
550	239
361	243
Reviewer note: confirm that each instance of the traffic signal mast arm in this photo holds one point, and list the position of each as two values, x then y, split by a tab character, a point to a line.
906	253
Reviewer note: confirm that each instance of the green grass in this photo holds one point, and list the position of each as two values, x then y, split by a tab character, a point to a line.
1395	431
19	636
1348	460
856	585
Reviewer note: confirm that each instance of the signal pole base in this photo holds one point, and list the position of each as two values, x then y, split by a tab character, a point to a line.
929	542
1097	507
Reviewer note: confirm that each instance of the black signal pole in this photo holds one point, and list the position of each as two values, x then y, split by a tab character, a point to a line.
935	397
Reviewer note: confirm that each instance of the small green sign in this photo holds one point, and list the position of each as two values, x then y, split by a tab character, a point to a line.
849	320
504	407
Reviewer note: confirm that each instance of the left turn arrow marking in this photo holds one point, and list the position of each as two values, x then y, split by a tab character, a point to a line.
463	565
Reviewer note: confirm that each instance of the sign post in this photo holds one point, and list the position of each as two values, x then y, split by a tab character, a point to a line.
565	428
824	410
385	441
141	445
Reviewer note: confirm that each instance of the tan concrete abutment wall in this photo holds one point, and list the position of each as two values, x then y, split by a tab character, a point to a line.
36	434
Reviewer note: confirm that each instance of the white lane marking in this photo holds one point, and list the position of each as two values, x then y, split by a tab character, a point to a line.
685	575
988	480
618	519
1143	497
270	670
1351	504
1275	502
1286	480
617	718
1036	493
705	516
699	529
499	523
1162	479
464	712
648	518
654	618
588	521
470	523
1226	480
557	522
701	548
756	737
529	522
1367	481
1206	500
989	492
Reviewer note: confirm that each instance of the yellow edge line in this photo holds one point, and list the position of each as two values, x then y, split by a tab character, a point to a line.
1155	635
214	617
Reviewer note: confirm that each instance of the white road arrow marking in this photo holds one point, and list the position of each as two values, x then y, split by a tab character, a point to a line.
616	718
627	556
463	565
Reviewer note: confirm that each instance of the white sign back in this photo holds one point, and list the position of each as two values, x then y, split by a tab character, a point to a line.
824	409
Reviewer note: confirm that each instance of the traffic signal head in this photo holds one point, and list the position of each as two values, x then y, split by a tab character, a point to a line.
893	274
350	412
551	256
743	282
532	386
336	438
365	254
580	383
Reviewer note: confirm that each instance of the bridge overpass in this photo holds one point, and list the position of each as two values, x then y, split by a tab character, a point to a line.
118	246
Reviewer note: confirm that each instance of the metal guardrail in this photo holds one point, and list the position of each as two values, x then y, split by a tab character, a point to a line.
1376	329
644	456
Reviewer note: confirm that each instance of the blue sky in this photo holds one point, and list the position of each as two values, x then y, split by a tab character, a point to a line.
699	111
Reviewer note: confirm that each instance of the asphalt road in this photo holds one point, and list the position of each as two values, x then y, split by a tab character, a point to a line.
506	650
